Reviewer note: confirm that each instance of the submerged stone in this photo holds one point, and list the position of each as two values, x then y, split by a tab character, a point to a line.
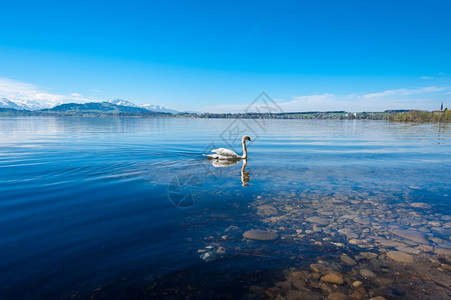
420	205
347	260
318	220
266	210
400	256
333	277
415	236
445	252
261	235
209	256
337	296
367	273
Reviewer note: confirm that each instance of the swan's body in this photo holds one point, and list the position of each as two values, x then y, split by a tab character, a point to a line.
226	154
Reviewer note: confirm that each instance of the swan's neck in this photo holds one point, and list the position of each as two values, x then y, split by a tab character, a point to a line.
244	150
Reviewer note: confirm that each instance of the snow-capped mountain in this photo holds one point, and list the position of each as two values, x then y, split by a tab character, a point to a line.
122	102
158	108
21	104
151	107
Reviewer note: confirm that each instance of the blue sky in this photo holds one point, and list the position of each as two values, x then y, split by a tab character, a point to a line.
219	55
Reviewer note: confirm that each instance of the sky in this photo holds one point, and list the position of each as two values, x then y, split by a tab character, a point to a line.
218	56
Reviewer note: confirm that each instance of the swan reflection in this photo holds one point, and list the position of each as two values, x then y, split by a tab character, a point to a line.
245	176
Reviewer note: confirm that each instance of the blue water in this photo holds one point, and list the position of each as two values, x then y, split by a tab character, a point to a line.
95	207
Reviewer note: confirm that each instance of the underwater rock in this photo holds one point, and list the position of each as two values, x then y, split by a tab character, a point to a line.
388	243
261	235
400	256
209	256
425	248
408	250
368	255
337	296
318	220
347	260
266	210
420	205
415	236
367	273
333	277
444	252
220	250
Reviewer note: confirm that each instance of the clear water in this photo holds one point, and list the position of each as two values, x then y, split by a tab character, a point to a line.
120	207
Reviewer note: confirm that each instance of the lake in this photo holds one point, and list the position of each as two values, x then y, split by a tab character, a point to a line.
128	208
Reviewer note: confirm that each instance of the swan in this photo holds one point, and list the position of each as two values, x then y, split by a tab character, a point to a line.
226	154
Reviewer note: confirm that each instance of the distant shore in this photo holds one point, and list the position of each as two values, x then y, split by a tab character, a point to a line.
111	110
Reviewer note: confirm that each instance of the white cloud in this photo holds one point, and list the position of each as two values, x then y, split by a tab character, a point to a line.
426	77
405	92
17	90
428	98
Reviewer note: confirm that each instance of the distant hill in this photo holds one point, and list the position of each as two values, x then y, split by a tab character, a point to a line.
99	108
86	109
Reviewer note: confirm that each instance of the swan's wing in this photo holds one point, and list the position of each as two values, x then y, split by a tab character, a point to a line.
226	153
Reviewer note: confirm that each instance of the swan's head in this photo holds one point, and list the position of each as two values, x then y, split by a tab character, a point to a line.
246	138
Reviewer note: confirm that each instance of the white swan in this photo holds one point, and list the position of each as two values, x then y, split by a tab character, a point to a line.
226	154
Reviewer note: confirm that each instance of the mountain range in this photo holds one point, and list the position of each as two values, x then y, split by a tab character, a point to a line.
35	106
21	104
151	107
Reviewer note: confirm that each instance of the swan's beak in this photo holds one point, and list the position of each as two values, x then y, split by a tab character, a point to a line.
250	140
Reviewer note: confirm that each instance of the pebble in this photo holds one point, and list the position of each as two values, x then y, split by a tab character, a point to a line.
415	236
317	267
261	235
318	220
425	248
400	256
367	273
347	260
220	250
208	256
446	252
408	250
353	241
333	277
357	284
434	223
420	205
296	274
337	296
368	255
266	210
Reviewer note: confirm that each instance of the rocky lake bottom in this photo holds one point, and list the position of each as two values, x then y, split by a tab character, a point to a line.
312	246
